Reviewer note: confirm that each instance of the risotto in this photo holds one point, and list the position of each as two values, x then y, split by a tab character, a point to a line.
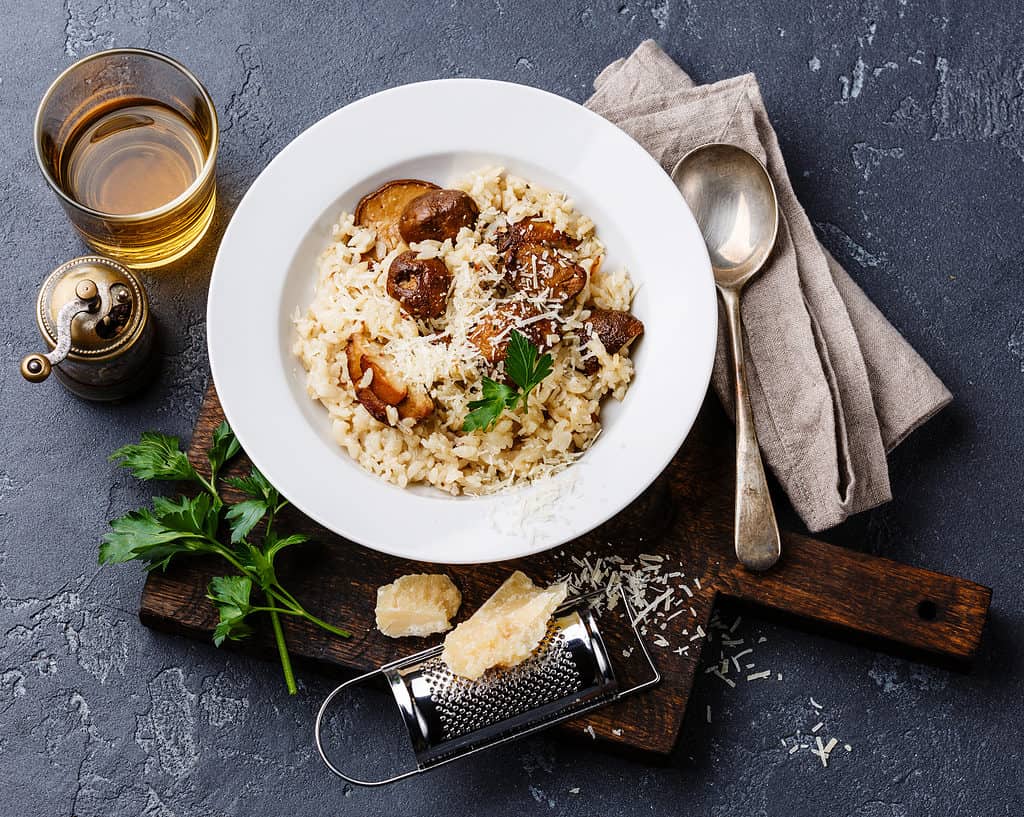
410	316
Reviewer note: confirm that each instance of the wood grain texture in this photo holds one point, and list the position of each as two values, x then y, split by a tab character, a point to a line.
687	513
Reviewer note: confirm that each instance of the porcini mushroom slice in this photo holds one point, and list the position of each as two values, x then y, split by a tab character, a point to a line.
385	387
536	260
417	405
492	334
383	208
536	269
420	285
377	408
437	215
354	356
615	327
533	231
388	388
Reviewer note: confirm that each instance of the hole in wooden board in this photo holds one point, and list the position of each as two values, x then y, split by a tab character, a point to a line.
927	610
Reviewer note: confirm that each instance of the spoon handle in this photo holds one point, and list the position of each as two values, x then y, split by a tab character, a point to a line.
756	533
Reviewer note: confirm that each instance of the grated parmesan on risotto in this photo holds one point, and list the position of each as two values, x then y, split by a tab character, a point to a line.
562	418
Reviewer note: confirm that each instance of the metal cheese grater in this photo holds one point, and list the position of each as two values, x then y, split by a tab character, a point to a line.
449	717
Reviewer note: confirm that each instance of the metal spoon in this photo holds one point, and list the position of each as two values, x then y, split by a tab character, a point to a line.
733	199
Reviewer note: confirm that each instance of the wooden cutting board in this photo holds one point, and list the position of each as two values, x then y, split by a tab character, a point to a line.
686	513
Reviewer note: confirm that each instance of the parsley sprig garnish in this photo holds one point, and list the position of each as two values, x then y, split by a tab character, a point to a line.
526	367
191	525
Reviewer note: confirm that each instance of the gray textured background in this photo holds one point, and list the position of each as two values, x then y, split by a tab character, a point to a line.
903	126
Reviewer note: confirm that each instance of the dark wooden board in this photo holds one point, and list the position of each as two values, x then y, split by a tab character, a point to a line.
686	512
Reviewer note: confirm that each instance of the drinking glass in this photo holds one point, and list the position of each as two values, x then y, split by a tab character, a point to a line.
97	86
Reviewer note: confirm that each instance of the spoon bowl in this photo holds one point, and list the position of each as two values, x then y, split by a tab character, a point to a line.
733	200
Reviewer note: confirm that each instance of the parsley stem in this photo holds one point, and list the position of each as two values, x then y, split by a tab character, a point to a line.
276	593
282	651
279	610
325	626
230	557
208	485
285	595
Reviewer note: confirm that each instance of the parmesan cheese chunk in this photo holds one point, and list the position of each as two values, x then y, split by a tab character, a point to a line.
506	628
420	604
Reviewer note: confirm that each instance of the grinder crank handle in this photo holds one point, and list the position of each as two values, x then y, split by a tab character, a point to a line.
869	595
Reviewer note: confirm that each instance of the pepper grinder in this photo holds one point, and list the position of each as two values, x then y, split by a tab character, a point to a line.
94	315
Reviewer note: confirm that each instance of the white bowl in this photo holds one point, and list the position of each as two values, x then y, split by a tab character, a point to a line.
437	130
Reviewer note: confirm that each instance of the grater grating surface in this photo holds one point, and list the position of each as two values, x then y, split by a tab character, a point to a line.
464	706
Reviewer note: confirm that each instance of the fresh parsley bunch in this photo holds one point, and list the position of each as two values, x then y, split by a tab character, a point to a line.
191	525
525	367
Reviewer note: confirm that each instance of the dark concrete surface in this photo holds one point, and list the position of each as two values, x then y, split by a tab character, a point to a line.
903	126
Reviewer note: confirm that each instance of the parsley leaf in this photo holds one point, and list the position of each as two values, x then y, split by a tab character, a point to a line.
225	446
256	486
135	535
156	456
156	536
195	515
526	368
245	516
485	412
230	595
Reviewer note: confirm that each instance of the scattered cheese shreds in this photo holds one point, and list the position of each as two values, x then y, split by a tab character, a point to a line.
820	752
729	681
658	595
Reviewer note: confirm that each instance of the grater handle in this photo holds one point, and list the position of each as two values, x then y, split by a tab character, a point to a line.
319	738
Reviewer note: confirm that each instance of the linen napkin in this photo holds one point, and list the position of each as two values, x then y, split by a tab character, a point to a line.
833	385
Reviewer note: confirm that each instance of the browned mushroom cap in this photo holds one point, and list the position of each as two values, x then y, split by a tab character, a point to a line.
386	388
616	329
437	215
383	208
535	232
535	263
420	285
535	268
490	335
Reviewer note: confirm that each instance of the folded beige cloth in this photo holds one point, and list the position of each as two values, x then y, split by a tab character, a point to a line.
833	385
